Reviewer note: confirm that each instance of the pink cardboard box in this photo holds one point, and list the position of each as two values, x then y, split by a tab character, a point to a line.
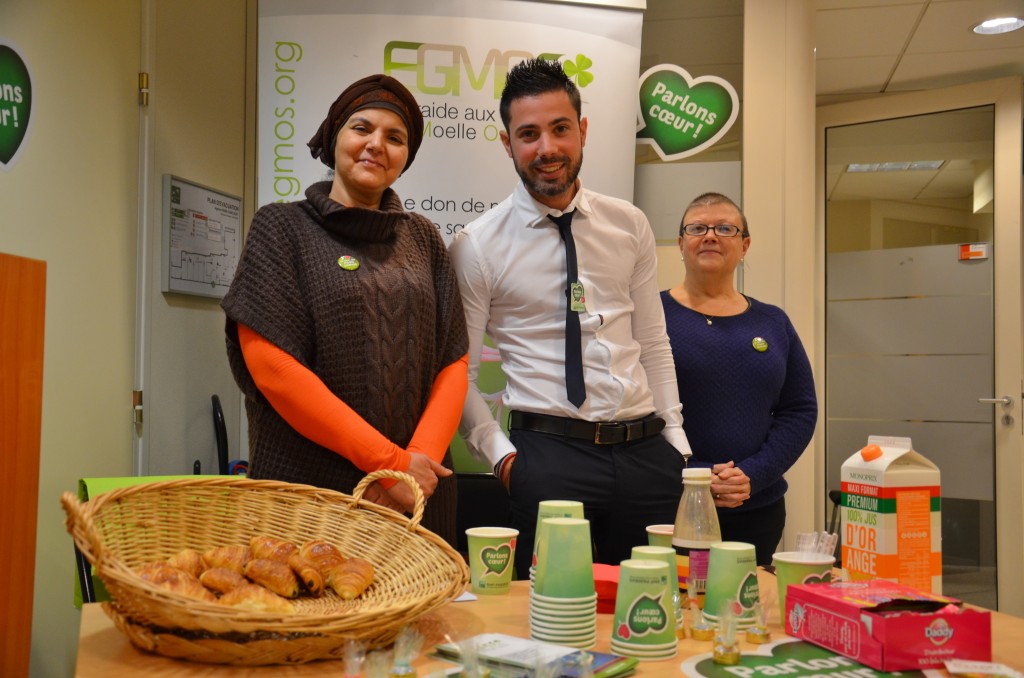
886	625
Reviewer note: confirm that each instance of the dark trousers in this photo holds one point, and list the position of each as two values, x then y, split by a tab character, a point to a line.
624	488
761	527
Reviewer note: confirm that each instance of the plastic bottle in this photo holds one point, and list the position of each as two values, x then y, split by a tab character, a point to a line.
696	530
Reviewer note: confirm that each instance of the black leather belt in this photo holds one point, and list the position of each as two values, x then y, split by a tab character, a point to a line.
599	432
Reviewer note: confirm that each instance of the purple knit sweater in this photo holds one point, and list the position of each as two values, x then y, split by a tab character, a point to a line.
756	408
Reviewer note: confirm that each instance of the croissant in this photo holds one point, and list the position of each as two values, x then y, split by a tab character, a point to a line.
221	580
257	599
189	560
230	557
308	573
159	572
351	578
178	581
272	548
322	554
278	577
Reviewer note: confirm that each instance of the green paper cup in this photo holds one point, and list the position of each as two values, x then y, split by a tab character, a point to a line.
565	562
554	508
668	554
643	604
732	582
800	567
660	535
492	553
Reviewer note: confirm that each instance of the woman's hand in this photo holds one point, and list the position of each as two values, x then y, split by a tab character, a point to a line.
730	486
378	495
425	471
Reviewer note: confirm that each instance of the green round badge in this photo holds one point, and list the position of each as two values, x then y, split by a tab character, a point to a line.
760	345
348	263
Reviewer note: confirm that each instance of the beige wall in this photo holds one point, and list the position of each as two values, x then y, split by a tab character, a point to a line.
70	200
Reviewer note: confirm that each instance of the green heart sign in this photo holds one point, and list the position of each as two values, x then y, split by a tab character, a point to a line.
646	615
496	559
15	103
681	116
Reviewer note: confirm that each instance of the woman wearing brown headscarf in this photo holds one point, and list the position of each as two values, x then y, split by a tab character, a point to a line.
345	328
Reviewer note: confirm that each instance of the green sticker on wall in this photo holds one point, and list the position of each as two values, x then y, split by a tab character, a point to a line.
15	104
681	116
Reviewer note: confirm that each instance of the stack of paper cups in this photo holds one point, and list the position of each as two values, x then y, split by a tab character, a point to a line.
644	625
552	508
732	582
563	601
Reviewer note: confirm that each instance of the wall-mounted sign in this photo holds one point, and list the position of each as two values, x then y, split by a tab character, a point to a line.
15	104
681	116
202	238
974	250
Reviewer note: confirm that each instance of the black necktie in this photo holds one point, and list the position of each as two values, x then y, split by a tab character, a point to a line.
575	388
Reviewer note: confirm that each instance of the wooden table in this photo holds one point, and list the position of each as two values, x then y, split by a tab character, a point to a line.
103	651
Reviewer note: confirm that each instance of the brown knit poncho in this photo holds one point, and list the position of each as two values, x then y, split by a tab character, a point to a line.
377	336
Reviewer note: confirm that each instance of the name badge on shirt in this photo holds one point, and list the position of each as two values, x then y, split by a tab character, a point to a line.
579	301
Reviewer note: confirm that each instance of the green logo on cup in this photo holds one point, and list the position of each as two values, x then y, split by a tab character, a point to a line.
681	116
15	103
646	615
496	559
749	593
823	578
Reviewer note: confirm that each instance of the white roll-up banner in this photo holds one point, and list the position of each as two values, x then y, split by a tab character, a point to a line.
453	56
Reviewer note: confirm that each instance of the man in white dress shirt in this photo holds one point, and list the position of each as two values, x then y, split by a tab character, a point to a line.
607	432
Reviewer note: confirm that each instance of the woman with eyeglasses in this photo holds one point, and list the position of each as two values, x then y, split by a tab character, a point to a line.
749	406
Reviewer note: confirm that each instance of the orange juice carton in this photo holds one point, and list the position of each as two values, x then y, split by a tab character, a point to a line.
886	625
892	515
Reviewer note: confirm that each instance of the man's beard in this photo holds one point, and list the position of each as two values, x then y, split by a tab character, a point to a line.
548	188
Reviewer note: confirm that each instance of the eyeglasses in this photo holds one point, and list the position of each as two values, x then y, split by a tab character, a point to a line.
721	230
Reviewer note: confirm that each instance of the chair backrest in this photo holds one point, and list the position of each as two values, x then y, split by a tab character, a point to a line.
836	497
220	432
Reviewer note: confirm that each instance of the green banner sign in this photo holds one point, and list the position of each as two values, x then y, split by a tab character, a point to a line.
681	116
15	104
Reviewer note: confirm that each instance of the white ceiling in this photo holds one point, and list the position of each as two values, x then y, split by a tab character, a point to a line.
864	48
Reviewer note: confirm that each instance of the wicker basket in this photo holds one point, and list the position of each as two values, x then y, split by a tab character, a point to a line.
416	571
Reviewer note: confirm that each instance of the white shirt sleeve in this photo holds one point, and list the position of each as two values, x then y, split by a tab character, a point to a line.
483	435
655	351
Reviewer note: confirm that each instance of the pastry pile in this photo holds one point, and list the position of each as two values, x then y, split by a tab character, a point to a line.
263	576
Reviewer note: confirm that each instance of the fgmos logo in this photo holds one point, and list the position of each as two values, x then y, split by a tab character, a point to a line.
440	69
938	632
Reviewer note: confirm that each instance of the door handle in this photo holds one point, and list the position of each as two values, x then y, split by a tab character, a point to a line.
1005	401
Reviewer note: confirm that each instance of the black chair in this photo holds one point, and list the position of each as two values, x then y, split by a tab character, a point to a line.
220	432
483	502
836	497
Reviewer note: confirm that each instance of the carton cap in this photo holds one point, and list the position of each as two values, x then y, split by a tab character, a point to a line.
870	452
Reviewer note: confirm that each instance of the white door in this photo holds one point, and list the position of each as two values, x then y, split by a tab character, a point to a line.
193	127
916	339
